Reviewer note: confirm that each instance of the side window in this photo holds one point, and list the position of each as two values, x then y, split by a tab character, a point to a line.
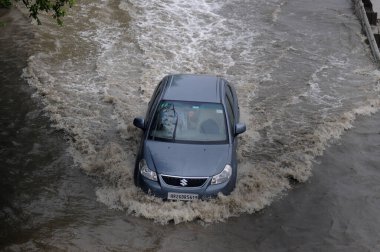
230	94
230	113
156	93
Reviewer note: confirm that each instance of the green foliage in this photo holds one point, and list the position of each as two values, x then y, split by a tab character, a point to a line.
5	3
56	7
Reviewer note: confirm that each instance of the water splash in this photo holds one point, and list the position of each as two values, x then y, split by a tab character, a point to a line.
296	95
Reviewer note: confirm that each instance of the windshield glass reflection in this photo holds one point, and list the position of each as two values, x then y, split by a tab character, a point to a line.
189	122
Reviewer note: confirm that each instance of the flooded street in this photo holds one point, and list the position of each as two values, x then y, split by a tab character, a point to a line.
304	77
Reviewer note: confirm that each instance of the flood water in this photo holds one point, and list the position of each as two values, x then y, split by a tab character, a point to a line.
303	74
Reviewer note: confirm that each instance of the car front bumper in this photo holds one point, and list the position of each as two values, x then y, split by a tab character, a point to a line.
161	189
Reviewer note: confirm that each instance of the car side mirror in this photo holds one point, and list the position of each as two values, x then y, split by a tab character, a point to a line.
139	122
240	128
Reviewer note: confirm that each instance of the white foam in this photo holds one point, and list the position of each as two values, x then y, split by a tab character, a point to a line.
277	11
95	94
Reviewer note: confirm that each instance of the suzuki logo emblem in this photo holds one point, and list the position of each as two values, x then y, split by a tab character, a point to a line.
183	182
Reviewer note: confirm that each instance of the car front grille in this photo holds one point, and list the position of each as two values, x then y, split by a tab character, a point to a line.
183	182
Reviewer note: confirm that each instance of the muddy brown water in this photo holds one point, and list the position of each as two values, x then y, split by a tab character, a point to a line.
65	146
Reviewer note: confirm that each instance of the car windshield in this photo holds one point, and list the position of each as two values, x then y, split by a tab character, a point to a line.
189	122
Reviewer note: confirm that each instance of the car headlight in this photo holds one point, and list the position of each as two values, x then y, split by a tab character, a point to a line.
146	172
222	177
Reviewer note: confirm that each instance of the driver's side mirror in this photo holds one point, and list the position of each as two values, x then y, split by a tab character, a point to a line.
240	128
139	123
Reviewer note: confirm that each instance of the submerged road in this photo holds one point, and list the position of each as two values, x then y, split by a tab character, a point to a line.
48	202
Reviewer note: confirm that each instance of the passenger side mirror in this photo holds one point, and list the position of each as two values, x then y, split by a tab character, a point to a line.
240	128
139	123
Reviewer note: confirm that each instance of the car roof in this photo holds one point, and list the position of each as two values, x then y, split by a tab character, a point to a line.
193	87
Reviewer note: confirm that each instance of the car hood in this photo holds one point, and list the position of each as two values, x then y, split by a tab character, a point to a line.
188	160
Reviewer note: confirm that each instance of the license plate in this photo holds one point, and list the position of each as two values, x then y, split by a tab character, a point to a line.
182	196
